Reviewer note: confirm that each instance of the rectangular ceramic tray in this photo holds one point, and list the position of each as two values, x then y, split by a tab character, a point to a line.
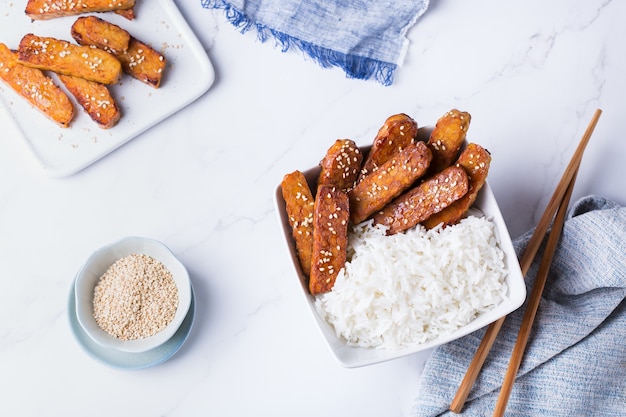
64	151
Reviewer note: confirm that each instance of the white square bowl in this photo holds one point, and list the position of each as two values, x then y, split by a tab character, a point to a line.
351	356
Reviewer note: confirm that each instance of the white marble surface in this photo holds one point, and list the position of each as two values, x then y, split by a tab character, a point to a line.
531	74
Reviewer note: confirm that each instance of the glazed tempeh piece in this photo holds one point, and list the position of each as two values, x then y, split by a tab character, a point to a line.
36	87
49	9
330	237
341	164
93	31
421	202
389	181
475	160
299	205
447	138
143	62
396	133
69	59
95	99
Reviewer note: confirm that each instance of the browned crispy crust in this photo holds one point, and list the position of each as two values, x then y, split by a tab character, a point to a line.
299	205
143	62
91	30
390	179
475	160
128	13
95	99
447	138
341	164
36	87
396	133
69	59
49	9
330	237
422	201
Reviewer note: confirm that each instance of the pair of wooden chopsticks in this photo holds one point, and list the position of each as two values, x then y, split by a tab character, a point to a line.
558	204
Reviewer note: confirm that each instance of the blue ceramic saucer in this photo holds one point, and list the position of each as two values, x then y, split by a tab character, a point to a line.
127	360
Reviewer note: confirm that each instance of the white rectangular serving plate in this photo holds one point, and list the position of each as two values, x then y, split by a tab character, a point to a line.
65	151
350	356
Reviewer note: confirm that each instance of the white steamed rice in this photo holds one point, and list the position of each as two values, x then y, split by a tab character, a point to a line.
405	289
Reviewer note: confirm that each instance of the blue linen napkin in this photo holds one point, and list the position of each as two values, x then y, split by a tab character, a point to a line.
575	360
366	38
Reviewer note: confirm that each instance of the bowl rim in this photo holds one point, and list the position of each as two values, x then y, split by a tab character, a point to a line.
353	356
95	266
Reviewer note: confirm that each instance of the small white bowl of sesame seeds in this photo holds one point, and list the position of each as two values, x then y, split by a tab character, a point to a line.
132	295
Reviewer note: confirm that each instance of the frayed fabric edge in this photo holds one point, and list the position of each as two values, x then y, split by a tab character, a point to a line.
405	30
354	66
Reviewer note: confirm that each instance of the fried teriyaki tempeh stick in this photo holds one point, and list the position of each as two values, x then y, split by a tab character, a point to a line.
93	31
330	237
391	178
341	164
36	87
299	205
69	59
447	138
143	63
95	99
422	201
475	160
49	9
395	134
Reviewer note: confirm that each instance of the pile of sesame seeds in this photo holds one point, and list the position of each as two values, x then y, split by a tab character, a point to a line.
135	298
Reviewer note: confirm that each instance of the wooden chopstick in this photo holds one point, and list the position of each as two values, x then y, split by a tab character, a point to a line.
525	261
533	304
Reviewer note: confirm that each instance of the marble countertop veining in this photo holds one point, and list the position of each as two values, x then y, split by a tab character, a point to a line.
202	181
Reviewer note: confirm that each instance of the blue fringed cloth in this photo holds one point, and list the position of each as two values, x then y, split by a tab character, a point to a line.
575	360
365	38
